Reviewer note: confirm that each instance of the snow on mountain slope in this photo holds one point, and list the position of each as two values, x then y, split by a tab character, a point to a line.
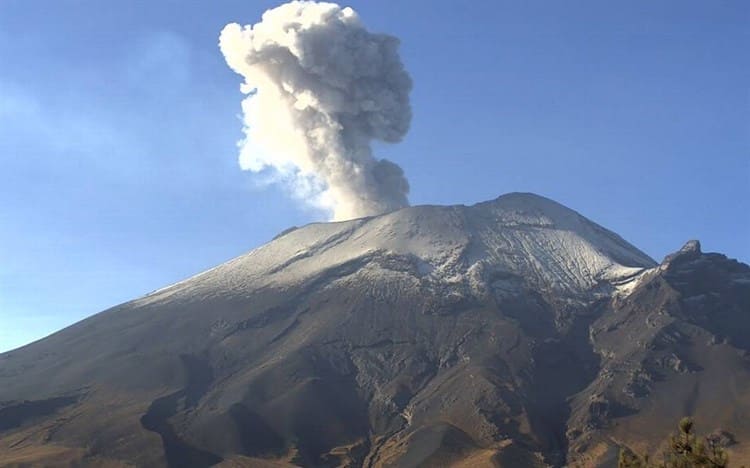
512	331
519	234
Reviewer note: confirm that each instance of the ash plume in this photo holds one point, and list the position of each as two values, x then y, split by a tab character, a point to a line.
320	88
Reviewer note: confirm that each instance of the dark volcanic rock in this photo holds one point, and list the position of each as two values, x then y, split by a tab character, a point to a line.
510	333
675	345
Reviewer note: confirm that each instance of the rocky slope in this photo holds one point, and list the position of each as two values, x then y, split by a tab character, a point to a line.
510	333
676	344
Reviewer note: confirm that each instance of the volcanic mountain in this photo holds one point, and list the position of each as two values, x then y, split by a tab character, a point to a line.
510	333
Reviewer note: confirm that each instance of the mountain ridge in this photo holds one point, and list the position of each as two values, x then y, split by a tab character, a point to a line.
517	211
509	332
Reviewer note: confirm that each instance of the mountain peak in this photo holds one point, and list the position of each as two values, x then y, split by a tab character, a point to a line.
521	234
690	251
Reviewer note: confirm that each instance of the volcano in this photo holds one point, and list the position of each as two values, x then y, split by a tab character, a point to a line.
513	332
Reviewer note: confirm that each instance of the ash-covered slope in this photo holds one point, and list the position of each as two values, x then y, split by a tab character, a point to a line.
448	336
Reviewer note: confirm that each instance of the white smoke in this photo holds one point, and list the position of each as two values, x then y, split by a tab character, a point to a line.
320	88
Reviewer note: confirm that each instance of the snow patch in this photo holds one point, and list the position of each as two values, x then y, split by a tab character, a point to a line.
523	235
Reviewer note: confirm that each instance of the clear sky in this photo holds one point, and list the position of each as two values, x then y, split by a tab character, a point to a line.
119	123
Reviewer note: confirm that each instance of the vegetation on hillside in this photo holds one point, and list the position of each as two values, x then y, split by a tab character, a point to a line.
686	450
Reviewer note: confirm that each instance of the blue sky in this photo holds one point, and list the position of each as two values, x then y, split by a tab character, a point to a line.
119	123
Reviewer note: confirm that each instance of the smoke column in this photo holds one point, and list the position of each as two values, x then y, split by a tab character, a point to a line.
320	88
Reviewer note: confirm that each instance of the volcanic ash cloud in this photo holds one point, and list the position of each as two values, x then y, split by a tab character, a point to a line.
320	88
